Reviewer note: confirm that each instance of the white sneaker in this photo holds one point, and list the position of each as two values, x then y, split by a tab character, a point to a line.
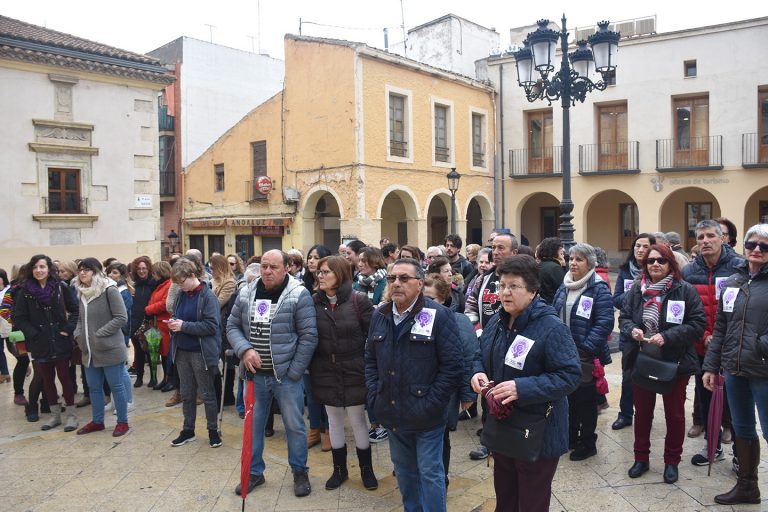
110	406
131	407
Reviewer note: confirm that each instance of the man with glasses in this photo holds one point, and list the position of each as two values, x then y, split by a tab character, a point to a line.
708	273
413	364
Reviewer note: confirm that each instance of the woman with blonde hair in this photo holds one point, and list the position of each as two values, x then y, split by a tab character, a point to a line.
236	265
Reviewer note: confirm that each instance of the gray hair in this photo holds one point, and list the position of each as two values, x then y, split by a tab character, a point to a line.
412	262
435	248
757	229
602	258
484	250
196	253
661	237
515	245
673	237
587	251
710	224
252	272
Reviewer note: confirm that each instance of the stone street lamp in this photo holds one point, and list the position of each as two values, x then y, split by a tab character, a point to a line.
453	186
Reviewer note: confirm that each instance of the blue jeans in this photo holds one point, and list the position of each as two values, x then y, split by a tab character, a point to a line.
114	376
315	410
240	399
418	460
290	398
743	395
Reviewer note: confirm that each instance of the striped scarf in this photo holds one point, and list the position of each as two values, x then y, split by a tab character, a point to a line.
653	296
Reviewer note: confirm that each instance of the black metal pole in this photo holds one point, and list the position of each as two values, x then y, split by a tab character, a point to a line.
453	212
566	205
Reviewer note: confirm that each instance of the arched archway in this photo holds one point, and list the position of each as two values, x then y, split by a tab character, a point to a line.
755	210
539	217
439	218
683	209
322	213
399	215
612	221
480	219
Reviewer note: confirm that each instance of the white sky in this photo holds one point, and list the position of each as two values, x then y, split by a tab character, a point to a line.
141	26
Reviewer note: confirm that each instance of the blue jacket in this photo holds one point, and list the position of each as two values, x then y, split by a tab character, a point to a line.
618	288
590	334
411	378
468	338
207	328
550	373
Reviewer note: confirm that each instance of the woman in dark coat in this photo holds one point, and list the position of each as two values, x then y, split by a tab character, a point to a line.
551	256
663	314
46	312
337	370
144	284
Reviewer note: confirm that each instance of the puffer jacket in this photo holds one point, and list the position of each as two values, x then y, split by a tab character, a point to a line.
42	325
706	281
678	338
207	327
550	373
411	379
293	335
590	334
99	329
337	370
740	338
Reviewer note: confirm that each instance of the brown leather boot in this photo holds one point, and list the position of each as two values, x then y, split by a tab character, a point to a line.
313	437
746	489
325	440
174	400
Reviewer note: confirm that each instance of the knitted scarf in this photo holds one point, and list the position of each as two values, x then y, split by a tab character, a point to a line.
370	282
99	284
42	294
634	270
653	296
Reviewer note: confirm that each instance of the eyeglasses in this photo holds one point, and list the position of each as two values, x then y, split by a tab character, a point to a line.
661	260
403	279
501	288
81	270
325	272
751	246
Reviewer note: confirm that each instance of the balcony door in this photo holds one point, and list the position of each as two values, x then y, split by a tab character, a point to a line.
691	132
695	213
613	137
762	129
540	142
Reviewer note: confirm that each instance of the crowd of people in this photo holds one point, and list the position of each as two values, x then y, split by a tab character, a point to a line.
400	344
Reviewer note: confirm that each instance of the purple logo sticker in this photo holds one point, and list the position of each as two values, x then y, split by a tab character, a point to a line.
519	348
676	309
721	284
729	296
586	303
262	308
424	318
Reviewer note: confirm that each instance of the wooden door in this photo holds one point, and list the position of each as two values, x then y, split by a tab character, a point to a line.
540	142
612	150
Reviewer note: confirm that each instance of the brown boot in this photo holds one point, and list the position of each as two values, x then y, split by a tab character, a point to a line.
746	489
313	437
174	400
325	440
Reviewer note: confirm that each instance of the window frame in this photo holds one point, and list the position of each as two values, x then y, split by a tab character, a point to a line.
617	156
483	114
690	65
695	154
762	126
544	163
62	191
407	95
218	178
435	103
625	241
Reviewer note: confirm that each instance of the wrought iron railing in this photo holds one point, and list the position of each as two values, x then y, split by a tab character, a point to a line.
754	150
167	183
165	122
609	157
398	148
65	204
689	154
547	161
442	154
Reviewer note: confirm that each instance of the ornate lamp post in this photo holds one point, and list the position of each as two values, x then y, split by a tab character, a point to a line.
453	186
535	64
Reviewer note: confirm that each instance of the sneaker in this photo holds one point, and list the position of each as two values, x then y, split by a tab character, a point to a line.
700	459
186	436
378	434
301	485
253	482
110	406
214	439
90	427
479	453
120	429
131	407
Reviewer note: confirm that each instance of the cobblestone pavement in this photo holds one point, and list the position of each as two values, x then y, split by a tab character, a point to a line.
140	472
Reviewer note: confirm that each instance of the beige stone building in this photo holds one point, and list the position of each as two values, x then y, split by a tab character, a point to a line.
358	144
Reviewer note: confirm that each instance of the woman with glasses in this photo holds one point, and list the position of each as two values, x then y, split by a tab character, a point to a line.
739	347
663	316
584	303
100	337
337	370
236	265
529	358
314	255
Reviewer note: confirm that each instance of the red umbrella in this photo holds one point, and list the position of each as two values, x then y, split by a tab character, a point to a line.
245	454
715	419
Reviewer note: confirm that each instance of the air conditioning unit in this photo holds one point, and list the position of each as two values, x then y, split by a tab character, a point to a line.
291	195
645	26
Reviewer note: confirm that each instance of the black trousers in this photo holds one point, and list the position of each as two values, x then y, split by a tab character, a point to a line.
582	416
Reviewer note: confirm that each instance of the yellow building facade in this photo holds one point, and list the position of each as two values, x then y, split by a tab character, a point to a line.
357	145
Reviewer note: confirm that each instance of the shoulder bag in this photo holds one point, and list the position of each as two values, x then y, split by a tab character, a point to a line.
653	373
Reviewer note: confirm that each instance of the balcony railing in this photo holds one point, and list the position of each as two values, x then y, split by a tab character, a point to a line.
165	122
398	148
442	154
693	154
754	150
66	205
167	183
478	159
523	163
253	191
609	158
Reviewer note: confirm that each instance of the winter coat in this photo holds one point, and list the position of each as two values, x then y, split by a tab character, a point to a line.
207	327
337	370
551	276
484	301
678	338
293	336
376	294
42	325
99	329
706	281
411	379
143	289
550	373
157	312
128	302
619	288
468	337
740	338
462	266
603	273
590	334
223	291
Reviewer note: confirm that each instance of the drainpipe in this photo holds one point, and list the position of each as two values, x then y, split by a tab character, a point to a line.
501	136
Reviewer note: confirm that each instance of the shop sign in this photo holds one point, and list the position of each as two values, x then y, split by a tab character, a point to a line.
268	230
264	185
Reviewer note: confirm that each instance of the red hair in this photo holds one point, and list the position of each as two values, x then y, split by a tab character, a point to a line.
666	252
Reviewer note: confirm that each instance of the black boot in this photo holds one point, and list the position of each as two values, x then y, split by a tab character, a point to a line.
44	407
30	410
366	469
340	474
746	489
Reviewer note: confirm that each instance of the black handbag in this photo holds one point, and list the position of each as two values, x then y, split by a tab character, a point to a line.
519	436
653	373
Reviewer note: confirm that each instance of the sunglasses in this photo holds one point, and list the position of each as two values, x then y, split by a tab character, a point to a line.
403	279
661	260
751	246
